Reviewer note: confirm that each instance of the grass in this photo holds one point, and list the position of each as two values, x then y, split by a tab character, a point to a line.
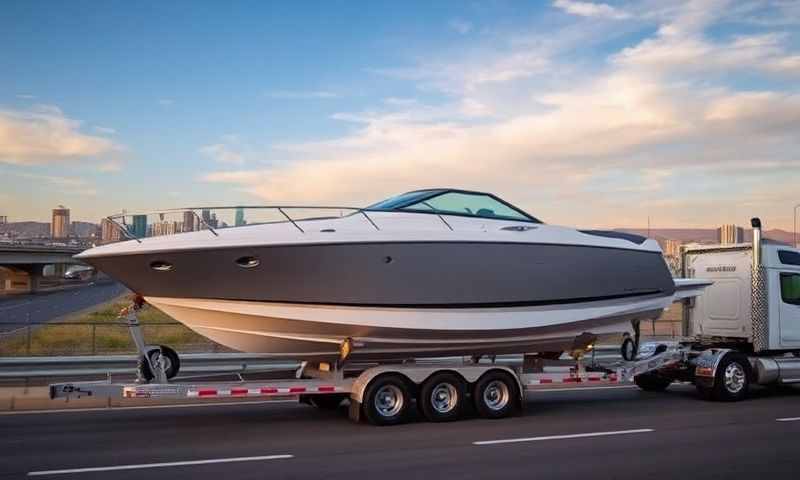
104	335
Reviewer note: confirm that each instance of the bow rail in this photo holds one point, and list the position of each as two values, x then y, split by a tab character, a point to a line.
135	226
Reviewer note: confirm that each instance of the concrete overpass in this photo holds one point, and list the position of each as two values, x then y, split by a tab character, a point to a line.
25	268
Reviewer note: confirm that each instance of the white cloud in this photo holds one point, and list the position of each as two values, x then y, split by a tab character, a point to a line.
64	185
590	9
301	94
26	96
583	144
44	135
230	150
166	102
104	130
460	26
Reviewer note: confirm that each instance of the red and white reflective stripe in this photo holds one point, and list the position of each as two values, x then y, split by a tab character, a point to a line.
571	379
258	391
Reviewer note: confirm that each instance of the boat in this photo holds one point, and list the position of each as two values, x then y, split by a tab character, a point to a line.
428	273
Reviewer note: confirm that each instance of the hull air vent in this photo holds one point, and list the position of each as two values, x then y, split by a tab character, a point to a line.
248	262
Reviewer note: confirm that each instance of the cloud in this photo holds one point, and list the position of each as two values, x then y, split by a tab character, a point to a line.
65	185
104	130
166	102
301	95
590	9
44	135
229	151
647	131
25	96
459	25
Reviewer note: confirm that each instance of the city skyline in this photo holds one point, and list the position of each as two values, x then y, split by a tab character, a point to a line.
593	114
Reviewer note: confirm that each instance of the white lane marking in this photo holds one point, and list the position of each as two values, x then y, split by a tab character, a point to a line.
564	437
788	419
159	465
578	389
143	407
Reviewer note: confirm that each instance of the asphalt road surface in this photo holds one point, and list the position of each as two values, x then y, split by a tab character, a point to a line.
46	306
610	433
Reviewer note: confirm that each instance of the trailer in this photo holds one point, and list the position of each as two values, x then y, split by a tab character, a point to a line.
744	330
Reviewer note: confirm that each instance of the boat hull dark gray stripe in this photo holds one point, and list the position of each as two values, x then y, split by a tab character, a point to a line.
418	274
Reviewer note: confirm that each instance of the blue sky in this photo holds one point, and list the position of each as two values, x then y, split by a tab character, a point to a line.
587	113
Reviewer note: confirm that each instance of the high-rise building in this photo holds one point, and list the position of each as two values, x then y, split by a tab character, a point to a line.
165	228
3	219
189	221
730	234
672	248
139	227
59	227
239	221
109	231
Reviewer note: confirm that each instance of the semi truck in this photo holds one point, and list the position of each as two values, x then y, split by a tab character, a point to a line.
742	331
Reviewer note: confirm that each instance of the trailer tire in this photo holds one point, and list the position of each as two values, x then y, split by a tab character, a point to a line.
387	400
442	397
173	362
731	380
652	383
495	395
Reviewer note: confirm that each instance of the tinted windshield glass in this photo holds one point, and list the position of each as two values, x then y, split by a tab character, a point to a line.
471	204
401	200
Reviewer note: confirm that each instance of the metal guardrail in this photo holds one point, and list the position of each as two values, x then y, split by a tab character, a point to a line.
78	366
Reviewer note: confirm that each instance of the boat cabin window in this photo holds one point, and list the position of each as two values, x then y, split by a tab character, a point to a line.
469	204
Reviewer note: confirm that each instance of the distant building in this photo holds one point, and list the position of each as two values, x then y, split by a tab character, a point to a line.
109	231
165	228
139	227
3	219
239	221
672	248
189	221
730	234
59	227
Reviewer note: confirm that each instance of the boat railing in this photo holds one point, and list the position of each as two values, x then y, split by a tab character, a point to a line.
136	226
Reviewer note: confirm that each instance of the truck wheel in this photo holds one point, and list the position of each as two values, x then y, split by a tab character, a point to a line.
327	401
387	400
731	381
442	397
172	363
652	383
495	395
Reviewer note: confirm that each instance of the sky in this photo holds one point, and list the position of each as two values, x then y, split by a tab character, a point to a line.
582	113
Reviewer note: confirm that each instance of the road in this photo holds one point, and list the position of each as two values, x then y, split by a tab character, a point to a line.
631	434
46	306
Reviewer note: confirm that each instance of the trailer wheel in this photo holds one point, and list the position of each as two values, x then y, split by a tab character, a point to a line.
327	401
387	400
628	350
731	381
495	395
652	383
442	397
172	363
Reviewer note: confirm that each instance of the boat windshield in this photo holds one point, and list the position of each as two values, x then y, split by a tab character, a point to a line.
454	202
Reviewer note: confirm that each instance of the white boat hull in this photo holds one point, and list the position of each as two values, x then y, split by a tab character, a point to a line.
301	331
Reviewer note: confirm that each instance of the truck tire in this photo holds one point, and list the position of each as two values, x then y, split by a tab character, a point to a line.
495	395
731	380
172	362
650	382
442	397
386	400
